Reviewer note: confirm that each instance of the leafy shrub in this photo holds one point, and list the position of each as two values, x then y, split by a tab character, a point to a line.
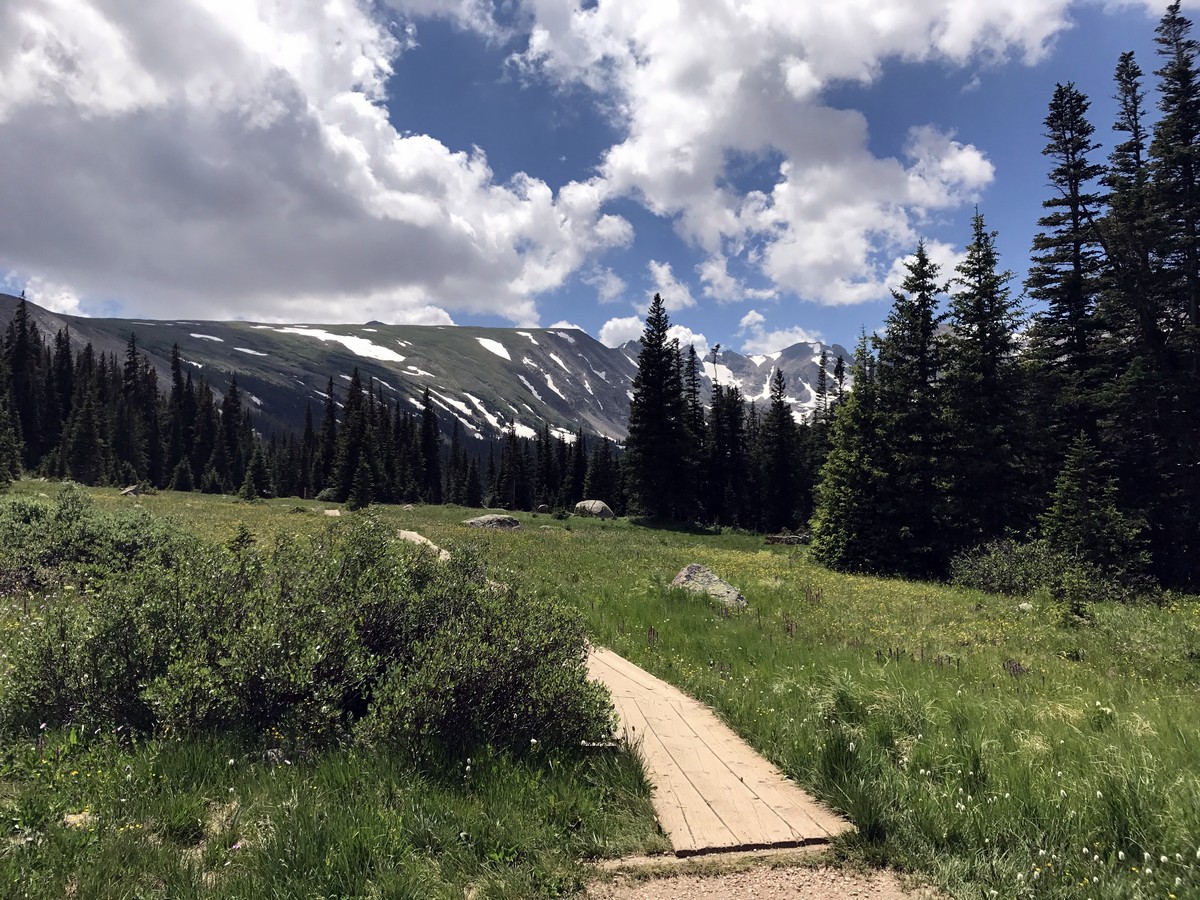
353	633
1008	567
70	540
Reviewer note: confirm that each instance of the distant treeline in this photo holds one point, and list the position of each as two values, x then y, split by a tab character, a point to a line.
68	412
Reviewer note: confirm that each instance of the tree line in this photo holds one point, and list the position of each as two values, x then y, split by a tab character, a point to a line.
102	419
969	420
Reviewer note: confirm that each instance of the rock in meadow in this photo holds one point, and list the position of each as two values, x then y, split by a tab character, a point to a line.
597	508
414	538
701	580
494	520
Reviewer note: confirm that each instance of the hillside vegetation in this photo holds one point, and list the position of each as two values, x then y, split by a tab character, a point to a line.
986	745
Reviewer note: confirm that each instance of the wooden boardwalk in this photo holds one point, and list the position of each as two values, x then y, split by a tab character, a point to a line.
712	791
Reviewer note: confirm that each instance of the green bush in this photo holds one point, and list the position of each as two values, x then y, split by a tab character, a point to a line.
352	634
1008	567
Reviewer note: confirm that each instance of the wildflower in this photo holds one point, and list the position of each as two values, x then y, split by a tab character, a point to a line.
1162	859
1099	796
1062	794
231	762
1121	855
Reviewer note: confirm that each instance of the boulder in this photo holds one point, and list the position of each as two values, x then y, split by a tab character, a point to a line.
132	491
543	508
597	508
701	580
493	520
331	512
407	507
413	538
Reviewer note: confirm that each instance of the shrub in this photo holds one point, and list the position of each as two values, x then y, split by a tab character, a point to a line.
352	634
1008	567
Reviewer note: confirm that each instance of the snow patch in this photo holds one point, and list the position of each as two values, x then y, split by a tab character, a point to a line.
254	399
494	347
347	377
357	345
532	389
757	359
564	435
268	327
372	330
564	336
404	343
721	372
492	419
528	335
562	365
415	371
190	363
209	337
550	384
248	350
523	431
457	404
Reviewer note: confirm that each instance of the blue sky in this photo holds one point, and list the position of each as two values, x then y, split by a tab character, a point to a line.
766	164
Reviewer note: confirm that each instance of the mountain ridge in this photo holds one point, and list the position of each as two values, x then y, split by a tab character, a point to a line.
489	380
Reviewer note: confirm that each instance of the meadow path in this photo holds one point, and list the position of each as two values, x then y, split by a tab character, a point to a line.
712	792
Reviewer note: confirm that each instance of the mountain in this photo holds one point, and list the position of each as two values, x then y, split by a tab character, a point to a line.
489	379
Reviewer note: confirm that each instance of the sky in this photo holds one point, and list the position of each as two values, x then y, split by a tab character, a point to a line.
765	165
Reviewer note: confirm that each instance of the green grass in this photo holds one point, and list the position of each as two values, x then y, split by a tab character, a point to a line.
975	744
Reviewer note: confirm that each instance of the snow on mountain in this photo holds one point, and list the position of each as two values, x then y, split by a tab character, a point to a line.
489	380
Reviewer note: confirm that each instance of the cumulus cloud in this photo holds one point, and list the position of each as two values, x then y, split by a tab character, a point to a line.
225	158
617	331
566	326
686	337
696	82
675	294
760	339
609	286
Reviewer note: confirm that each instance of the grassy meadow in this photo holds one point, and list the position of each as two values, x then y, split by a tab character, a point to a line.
985	746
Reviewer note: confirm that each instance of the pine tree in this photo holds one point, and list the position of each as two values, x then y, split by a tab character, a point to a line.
1064	276
431	451
983	484
846	535
657	438
778	452
907	404
1083	518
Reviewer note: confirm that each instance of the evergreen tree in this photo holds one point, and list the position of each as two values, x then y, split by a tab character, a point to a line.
431	451
778	451
907	511
657	438
1064	276
983	485
1083	518
846	534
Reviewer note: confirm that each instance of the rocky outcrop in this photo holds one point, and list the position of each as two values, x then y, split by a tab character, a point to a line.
494	520
596	508
702	580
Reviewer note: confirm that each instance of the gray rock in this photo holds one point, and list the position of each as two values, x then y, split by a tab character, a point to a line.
1025	607
543	508
414	538
701	580
407	507
597	508
493	520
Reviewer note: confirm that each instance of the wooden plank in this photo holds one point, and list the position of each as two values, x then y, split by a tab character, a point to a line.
712	791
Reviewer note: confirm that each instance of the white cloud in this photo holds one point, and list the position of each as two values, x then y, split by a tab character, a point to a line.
615	332
686	336
609	286
564	325
758	339
693	82
211	157
54	297
675	295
